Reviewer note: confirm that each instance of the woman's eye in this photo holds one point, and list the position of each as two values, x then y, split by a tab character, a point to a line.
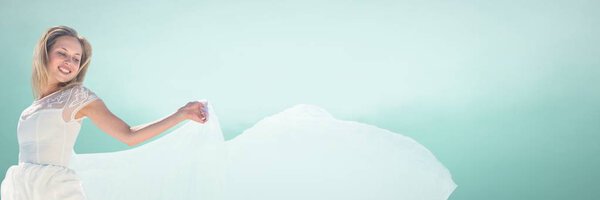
62	54
76	60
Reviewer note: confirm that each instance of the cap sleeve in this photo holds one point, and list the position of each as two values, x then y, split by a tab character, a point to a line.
80	97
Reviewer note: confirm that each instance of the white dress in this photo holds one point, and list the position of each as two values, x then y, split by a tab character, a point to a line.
46	134
300	153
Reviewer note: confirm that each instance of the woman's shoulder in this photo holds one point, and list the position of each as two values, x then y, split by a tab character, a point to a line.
79	90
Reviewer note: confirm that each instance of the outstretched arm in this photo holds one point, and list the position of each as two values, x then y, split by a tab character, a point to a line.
117	128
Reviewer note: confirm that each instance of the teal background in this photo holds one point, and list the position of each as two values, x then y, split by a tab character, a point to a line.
504	93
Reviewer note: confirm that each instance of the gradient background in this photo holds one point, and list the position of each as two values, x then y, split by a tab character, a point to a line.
504	93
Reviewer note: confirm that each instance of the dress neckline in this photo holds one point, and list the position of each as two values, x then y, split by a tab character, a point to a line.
57	91
45	97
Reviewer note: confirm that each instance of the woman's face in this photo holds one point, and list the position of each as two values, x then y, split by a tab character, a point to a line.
64	59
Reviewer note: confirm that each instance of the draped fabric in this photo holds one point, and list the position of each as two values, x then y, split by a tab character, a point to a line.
302	152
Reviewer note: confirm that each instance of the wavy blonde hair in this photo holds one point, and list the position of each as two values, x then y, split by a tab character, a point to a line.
39	75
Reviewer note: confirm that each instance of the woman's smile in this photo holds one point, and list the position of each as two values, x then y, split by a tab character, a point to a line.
64	70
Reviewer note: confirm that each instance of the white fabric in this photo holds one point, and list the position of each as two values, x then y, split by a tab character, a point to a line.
47	130
300	153
28	181
46	133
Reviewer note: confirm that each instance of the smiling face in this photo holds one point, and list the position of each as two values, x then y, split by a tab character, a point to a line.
64	60
61	59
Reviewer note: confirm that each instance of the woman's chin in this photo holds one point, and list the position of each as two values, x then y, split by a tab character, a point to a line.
66	81
63	79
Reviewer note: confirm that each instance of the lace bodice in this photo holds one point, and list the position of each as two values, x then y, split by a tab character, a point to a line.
47	129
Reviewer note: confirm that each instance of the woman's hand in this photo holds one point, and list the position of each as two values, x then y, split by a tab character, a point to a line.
194	110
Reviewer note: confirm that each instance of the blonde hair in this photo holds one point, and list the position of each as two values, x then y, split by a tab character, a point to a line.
39	75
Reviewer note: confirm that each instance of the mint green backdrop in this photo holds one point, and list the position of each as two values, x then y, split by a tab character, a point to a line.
504	93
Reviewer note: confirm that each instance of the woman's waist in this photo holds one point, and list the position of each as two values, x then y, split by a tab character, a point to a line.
37	164
44	160
45	155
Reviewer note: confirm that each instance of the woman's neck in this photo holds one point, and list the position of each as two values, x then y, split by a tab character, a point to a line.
49	89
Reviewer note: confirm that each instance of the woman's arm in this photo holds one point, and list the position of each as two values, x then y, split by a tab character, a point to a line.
117	128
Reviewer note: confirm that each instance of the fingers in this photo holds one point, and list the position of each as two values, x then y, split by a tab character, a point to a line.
204	111
199	118
199	110
203	115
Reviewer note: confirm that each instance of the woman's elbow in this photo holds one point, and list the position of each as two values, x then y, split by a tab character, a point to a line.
130	143
129	140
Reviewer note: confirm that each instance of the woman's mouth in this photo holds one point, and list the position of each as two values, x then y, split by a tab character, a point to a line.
64	70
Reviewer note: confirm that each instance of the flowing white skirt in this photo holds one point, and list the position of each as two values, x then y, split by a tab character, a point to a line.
28	181
300	153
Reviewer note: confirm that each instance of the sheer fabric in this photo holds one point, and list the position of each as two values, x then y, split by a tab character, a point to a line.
300	153
46	132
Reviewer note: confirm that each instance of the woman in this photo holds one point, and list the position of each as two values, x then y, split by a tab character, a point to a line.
48	129
300	153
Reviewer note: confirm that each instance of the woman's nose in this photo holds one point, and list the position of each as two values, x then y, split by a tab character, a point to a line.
68	61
